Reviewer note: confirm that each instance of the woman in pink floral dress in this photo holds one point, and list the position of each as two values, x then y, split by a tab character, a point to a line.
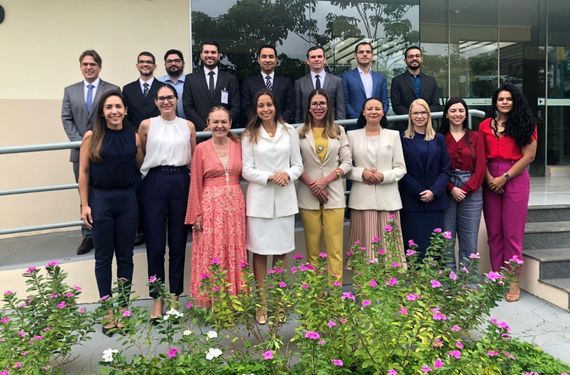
216	206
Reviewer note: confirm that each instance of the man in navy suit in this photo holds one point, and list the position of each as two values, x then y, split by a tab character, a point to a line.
77	114
362	83
209	86
281	87
140	94
413	84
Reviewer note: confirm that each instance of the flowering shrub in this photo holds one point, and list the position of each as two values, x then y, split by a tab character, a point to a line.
38	331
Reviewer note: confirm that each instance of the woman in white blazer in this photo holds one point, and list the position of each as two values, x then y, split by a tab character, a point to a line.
271	163
326	159
378	166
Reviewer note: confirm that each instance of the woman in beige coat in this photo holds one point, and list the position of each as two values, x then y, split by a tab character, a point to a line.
378	166
326	159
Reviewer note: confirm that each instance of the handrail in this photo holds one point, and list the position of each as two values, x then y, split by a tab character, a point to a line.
77	144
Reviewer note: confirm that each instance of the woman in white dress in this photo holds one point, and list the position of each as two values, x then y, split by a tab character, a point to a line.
271	163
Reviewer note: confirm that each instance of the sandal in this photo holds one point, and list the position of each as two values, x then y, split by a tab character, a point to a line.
514	292
109	326
261	315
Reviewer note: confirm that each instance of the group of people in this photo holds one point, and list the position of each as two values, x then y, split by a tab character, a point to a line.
149	170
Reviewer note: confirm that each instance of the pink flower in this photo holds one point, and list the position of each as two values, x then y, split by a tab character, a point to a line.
455	354
392	282
373	283
456	328
77	288
494	276
403	311
172	353
152	279
337	362
189	305
438	316
373	261
437	230
276	271
474	256
18	365
5	320
323	255
410	252
337	284
388	228
381	251
435	284
293	269
243	265
396	265
282	284
22	333
216	288
357	243
438	363
31	270
366	303
492	353
459	345
53	295
447	235
391	216
348	295
8	293
375	239
392	372
510	356
425	369
204	276
268	355
82	310
215	262
331	323
312	335
412	297
68	294
305	286
52	263
297	256
322	342
452	276
437	343
411	243
362	248
127	314
37	337
61	305
464	269
343	320
4	372
516	259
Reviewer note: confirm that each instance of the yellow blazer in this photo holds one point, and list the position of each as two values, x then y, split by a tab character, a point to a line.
338	156
389	160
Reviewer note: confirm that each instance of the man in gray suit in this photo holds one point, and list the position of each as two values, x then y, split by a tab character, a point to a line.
77	114
318	78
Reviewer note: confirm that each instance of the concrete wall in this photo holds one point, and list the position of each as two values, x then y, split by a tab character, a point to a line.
40	43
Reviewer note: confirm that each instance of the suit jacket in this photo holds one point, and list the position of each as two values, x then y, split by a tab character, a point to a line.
389	161
355	96
260	160
338	156
402	93
74	115
431	174
197	99
140	107
332	85
282	89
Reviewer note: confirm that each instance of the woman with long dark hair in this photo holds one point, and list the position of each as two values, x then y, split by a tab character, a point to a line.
466	150
108	168
271	163
510	139
326	159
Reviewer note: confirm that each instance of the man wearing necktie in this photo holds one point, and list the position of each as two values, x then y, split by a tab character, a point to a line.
78	110
280	86
140	94
316	79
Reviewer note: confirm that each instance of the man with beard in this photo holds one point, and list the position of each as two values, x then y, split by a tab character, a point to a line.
174	66
140	94
281	87
208	87
413	84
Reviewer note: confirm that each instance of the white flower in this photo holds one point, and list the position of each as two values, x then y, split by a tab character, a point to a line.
174	312
212	334
187	332
108	354
213	353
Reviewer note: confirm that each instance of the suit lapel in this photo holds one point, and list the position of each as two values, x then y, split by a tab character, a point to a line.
359	81
276	82
432	149
375	84
311	139
410	85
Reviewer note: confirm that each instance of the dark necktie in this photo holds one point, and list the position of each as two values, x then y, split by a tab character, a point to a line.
89	99
317	82
211	85
268	82
145	91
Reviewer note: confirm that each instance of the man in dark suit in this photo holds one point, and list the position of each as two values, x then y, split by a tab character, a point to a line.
280	86
316	79
141	93
208	87
413	84
77	114
362	83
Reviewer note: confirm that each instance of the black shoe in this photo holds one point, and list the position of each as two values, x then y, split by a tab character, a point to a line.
139	239
86	246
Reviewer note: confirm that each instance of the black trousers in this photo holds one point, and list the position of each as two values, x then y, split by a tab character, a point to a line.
165	196
115	214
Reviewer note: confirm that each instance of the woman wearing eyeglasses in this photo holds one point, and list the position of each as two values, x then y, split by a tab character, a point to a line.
326	158
423	188
168	143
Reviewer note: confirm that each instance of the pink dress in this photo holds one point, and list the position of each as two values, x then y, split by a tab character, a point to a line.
216	196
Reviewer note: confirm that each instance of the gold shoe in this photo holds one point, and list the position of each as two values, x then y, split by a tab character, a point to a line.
514	293
261	315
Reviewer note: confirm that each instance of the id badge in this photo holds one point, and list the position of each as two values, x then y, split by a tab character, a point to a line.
225	96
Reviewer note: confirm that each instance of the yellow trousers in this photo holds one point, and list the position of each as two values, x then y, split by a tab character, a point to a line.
330	223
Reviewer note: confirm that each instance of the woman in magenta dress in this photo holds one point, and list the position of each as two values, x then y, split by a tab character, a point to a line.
216	206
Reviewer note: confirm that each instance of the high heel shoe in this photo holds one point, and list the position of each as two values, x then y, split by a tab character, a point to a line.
514	292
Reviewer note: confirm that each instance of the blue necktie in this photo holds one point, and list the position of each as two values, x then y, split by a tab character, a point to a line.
89	100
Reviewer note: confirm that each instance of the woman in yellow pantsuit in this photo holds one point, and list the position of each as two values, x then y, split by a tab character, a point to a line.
326	159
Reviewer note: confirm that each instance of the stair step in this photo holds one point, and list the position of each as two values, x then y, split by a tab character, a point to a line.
561	283
548	213
547	227
549	255
551	235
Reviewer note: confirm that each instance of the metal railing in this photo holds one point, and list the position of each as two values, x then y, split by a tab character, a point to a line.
76	144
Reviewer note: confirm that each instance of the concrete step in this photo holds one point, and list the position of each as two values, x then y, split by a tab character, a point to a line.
548	213
555	291
554	263
562	286
547	235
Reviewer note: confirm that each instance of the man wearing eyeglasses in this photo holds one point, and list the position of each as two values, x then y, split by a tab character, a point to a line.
174	66
413	84
139	95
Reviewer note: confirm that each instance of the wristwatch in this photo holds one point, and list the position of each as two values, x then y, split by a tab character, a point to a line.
507	176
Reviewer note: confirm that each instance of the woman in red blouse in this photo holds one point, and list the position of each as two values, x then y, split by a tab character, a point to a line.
510	142
466	150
